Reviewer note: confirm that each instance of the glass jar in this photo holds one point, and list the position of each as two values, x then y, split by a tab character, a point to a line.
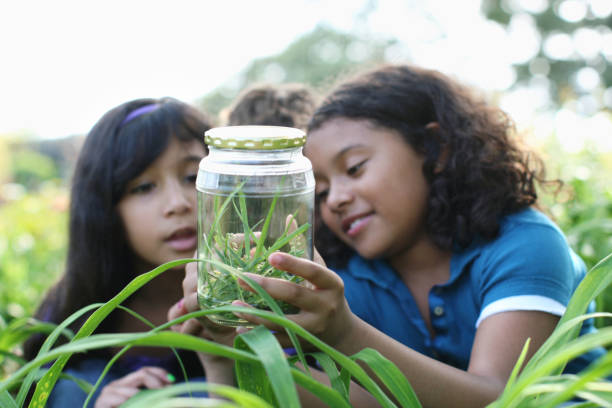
255	197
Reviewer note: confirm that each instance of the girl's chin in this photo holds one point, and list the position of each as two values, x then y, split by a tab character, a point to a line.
368	252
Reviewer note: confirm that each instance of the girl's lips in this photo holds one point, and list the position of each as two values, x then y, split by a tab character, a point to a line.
183	240
358	225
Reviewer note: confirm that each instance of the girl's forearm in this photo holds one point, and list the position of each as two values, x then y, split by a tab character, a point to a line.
218	370
426	375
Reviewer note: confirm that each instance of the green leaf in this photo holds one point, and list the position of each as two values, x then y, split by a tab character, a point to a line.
554	350
329	366
266	226
245	223
92	389
390	375
50	341
46	384
329	396
518	365
347	363
6	401
251	377
277	374
549	363
267	298
151	397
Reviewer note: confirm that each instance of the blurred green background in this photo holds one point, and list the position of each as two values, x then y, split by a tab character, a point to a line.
577	84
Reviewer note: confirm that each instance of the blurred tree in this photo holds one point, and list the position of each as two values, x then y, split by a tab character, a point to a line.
5	161
575	47
317	59
32	244
30	168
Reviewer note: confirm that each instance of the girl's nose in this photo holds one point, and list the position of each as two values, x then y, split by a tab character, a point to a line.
338	197
178	200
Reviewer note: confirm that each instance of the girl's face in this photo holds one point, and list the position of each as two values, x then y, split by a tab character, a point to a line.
158	208
370	185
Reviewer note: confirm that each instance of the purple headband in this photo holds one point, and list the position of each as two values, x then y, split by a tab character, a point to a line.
139	111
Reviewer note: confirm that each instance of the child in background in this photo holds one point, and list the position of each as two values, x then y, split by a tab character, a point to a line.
440	259
133	207
290	104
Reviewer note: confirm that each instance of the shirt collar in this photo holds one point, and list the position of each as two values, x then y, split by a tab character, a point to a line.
379	271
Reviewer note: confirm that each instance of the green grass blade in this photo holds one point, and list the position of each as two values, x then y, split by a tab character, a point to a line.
18	330
568	328
220	211
597	370
86	386
511	397
181	402
269	301
46	384
49	341
124	350
265	228
6	401
277	245
244	216
152	339
519	363
347	363
150	397
390	375
271	356
595	281
329	366
329	396
284	241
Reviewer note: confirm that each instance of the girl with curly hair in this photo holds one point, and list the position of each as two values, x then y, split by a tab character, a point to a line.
437	255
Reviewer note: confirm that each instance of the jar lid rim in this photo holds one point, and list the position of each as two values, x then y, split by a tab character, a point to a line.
255	137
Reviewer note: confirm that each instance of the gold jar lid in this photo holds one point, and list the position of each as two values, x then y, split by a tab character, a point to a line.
254	137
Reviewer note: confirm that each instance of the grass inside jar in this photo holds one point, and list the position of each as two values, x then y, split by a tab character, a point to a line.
247	252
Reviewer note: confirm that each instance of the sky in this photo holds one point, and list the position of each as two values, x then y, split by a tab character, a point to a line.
66	62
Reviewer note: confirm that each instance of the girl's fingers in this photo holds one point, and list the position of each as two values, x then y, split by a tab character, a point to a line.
193	327
153	376
177	310
255	320
190	283
117	392
114	397
190	302
313	272
290	292
317	258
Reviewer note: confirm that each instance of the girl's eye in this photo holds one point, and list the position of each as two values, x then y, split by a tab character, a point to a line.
142	188
321	195
354	169
191	178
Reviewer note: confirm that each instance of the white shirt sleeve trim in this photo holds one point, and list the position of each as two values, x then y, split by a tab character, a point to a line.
525	302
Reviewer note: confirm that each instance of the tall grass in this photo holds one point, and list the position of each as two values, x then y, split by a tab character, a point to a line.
266	378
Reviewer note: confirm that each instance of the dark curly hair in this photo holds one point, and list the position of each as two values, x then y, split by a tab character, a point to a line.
288	104
485	173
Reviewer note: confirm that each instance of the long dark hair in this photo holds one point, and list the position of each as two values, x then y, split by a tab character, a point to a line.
485	173
118	148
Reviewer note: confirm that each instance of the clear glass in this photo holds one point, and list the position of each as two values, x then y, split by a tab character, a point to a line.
267	196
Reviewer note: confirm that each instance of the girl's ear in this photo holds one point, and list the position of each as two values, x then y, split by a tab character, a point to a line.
434	129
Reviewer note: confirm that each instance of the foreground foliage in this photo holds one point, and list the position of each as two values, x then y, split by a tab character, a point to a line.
266	378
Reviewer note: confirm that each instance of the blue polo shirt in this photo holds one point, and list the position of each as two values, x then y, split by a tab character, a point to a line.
529	266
